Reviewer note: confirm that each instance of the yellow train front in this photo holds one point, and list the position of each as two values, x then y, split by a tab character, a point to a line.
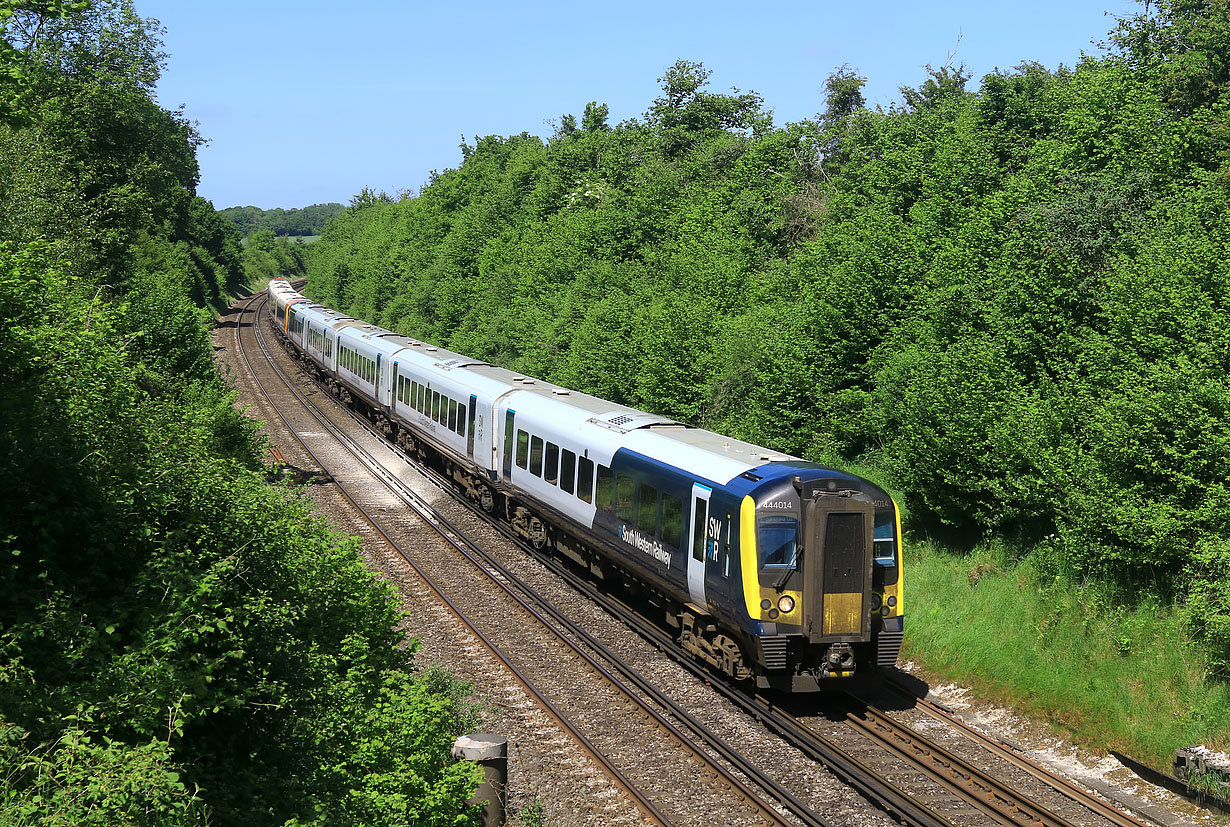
820	575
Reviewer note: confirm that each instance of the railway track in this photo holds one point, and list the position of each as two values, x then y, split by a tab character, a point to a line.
956	791
752	807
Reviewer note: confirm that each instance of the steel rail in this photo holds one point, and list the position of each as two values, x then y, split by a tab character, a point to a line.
1058	783
865	780
457	539
642	802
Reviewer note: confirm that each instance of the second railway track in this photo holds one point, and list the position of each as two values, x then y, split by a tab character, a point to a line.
917	807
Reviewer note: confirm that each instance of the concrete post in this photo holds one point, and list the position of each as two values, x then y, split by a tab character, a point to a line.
491	753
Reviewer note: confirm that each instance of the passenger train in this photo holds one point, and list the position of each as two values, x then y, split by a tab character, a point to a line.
770	568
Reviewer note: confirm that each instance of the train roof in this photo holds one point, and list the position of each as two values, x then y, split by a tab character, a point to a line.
723	457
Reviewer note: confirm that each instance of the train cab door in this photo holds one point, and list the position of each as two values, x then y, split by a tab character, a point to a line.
838	536
698	540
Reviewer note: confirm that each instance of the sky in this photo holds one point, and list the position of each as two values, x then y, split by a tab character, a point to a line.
309	102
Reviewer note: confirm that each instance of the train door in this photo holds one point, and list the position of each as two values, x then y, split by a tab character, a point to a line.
509	438
698	541
381	397
470	426
837	569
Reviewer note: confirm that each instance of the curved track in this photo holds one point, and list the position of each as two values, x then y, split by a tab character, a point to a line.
756	810
964	785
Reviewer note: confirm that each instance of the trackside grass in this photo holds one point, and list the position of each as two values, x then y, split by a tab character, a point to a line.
1107	676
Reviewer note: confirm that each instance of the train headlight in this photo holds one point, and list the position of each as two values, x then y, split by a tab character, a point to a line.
785	604
875	601
892	600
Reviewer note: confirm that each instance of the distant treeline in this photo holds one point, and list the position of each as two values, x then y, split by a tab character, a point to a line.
1012	302
306	221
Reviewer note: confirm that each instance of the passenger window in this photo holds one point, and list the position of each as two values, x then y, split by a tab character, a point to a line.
536	456
422	398
452	414
567	470
585	481
606	488
414	395
435	406
672	520
550	470
625	487
461	419
523	449
647	508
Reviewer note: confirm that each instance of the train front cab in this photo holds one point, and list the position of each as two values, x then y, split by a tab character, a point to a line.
821	571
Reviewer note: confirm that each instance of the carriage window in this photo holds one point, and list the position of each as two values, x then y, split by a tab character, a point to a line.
536	456
452	414
435	406
523	449
606	488
461	419
647	508
625	486
567	470
550	470
777	538
672	520
585	480
414	395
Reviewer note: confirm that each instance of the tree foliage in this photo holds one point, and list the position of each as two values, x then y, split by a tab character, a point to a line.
294	222
1009	300
180	641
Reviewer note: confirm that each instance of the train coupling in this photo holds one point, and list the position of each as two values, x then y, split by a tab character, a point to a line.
838	661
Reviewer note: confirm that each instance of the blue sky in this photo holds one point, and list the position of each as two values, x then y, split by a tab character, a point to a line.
310	101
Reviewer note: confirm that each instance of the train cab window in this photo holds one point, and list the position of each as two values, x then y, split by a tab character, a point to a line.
452	414
585	480
523	449
536	456
606	488
567	470
625	488
550	464
672	520
885	548
778	540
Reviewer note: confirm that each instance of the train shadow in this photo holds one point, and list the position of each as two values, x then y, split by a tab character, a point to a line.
887	689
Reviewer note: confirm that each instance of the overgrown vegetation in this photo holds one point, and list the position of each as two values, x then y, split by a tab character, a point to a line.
180	642
1009	301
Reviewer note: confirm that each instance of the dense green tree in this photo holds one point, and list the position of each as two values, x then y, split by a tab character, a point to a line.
180	641
1008	300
